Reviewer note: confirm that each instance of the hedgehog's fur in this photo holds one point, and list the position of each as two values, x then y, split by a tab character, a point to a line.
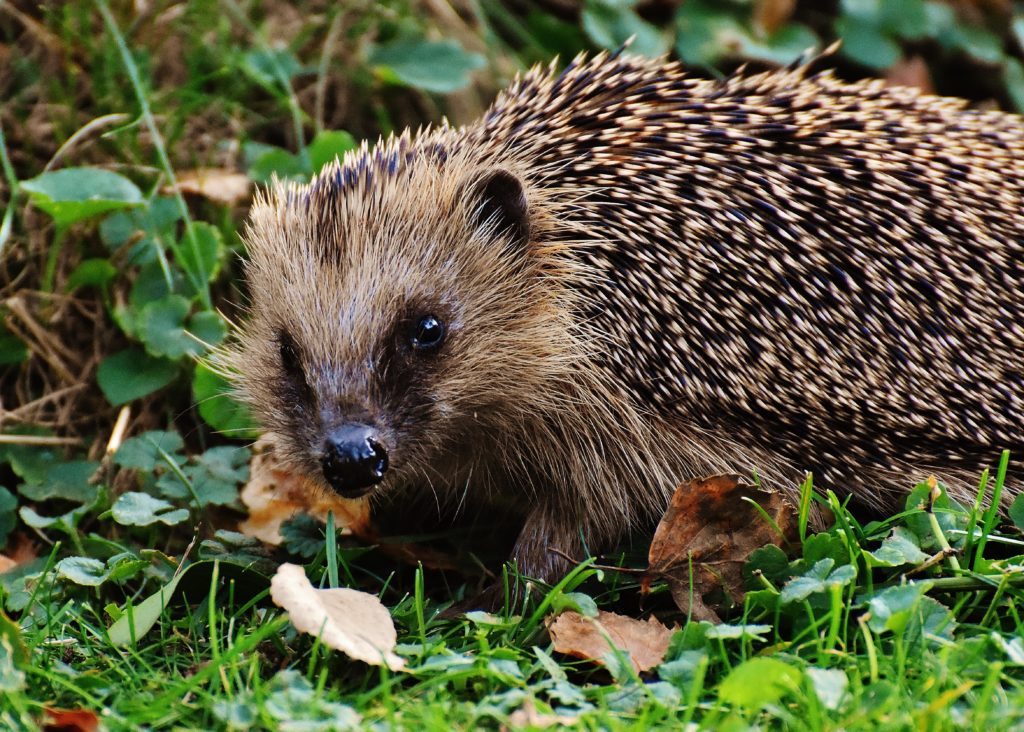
776	273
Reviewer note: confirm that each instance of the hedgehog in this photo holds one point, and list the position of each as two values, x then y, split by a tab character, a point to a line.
624	276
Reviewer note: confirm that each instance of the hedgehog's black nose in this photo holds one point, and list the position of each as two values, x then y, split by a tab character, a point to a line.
354	460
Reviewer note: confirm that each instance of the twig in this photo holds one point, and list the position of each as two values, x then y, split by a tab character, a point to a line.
607	567
38	440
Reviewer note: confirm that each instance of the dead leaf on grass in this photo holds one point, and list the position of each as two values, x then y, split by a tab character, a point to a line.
577	635
19	551
770	15
912	71
530	717
273	495
713	524
350	621
221	186
70	720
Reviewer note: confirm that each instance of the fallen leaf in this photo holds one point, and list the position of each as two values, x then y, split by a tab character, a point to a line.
528	716
594	638
770	15
273	495
222	186
712	526
353	622
19	551
911	71
70	720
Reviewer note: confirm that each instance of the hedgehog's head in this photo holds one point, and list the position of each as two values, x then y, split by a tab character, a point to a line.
401	307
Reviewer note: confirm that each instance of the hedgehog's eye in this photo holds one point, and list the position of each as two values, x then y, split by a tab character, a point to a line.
290	361
428	333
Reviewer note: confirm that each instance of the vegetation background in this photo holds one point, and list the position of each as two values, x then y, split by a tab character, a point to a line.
130	136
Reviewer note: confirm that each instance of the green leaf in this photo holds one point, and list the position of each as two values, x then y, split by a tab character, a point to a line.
139	619
141	509
759	682
196	578
149	229
291	700
829	685
8	514
131	374
153	283
75	194
930	621
782	47
12	349
280	163
218	473
90	273
217	407
161	326
303	535
10	633
238	549
819	547
891	609
899	548
1013	77
124	566
30	462
208	327
67	481
724	631
434	66
951	516
610	25
866	11
554	35
772	562
979	43
705	34
581	603
682	671
12	678
66	523
271	68
143	452
906	19
818	578
940	19
1017	511
327	146
201	253
83	571
866	44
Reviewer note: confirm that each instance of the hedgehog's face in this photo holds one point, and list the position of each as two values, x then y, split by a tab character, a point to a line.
391	324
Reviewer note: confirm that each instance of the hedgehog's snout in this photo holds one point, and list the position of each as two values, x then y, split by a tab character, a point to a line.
354	460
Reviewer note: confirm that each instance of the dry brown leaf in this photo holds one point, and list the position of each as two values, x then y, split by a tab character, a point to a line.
913	72
710	524
528	716
577	635
19	551
770	15
221	186
70	720
347	620
273	496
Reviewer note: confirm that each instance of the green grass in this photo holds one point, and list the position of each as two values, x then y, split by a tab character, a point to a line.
942	651
910	622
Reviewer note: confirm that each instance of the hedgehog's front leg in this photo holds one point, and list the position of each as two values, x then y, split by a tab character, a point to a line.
550	534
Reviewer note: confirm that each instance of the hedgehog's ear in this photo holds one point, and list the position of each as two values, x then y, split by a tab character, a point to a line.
499	203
